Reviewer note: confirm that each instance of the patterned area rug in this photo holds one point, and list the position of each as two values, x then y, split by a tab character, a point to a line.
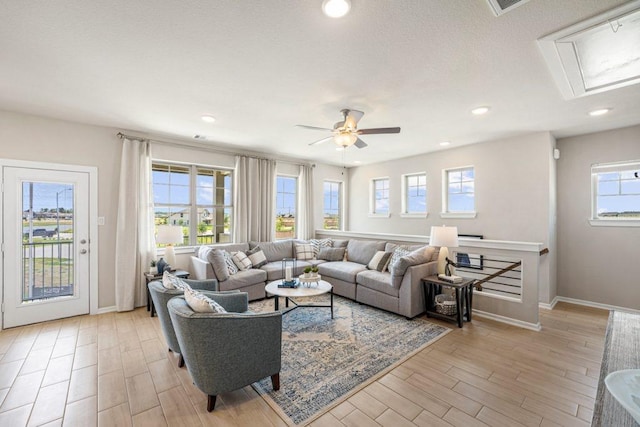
324	361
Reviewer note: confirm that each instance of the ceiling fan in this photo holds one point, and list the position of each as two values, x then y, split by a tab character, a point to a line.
346	133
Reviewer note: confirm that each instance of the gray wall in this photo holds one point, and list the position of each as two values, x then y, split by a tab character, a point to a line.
598	264
515	196
33	138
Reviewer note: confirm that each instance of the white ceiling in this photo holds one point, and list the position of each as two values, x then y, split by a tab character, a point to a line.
261	67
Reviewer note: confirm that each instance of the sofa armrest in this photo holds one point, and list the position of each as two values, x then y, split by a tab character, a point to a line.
201	269
232	301
411	295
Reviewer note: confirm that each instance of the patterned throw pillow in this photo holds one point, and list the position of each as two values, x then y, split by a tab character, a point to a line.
304	252
201	303
380	261
231	267
398	253
319	244
257	257
170	281
241	260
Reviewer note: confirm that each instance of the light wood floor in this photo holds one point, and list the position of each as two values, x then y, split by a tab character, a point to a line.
114	370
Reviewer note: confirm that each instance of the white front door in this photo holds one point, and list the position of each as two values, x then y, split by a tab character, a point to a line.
46	244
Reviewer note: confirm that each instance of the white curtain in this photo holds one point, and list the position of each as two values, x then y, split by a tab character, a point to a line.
254	217
135	245
305	203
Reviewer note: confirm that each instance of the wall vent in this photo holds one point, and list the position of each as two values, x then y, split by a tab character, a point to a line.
503	6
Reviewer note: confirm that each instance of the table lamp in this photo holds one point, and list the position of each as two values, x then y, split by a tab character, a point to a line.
168	235
445	237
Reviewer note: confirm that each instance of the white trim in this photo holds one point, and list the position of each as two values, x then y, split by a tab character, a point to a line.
94	243
415	238
379	215
414	215
459	215
614	222
550	306
509	321
514	300
596	305
372	198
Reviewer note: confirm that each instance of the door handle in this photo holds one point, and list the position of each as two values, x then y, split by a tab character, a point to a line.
83	251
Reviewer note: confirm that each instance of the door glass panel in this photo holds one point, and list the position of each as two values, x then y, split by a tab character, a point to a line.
47	240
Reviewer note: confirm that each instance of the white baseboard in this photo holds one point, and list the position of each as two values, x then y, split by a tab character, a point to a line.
104	310
549	306
508	320
596	305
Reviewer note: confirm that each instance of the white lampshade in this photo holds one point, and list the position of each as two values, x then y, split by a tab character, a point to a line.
168	235
445	237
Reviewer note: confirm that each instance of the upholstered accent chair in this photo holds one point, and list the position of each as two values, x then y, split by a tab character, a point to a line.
227	351
161	296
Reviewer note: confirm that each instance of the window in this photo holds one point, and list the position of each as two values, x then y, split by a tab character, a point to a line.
379	205
286	201
615	189
332	207
459	193
197	198
414	195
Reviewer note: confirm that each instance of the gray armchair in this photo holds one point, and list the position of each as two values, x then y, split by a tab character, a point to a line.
161	295
228	351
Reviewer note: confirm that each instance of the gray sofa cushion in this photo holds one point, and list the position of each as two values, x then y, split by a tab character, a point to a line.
274	269
229	247
378	281
420	256
275	251
361	251
389	247
331	254
342	270
217	260
339	243
244	278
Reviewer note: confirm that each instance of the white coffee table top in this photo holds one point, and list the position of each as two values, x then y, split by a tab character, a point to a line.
316	288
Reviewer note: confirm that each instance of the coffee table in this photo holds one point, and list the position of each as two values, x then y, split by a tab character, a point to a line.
319	288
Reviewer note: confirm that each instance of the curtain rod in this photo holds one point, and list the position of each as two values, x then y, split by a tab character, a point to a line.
217	150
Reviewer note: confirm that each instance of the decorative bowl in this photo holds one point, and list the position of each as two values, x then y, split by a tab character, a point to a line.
624	386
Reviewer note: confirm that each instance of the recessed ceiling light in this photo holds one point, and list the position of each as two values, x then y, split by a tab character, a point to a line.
480	110
444	143
599	112
357	162
208	118
336	8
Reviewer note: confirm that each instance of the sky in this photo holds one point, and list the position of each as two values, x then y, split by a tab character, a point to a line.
44	196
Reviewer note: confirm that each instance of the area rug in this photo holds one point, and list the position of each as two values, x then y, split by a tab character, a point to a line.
325	361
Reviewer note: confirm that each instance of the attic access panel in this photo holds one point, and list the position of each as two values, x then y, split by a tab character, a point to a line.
596	55
503	6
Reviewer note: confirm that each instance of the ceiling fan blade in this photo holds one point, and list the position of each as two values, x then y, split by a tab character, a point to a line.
378	130
360	143
320	141
313	128
352	117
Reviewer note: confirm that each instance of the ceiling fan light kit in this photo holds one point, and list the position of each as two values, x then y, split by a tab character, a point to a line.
336	8
346	133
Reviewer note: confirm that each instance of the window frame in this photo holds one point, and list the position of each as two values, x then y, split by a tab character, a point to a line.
446	213
405	196
340	204
599	168
372	198
296	204
193	204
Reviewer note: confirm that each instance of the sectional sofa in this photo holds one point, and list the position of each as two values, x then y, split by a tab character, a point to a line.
346	264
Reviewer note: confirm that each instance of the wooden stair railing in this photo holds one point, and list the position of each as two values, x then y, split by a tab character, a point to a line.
478	283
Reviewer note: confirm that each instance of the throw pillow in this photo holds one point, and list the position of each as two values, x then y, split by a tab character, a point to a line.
379	261
257	257
419	256
331	254
170	281
200	303
304	252
319	244
216	259
228	260
241	260
397	253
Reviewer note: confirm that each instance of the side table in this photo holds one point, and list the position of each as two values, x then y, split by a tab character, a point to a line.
464	298
151	277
